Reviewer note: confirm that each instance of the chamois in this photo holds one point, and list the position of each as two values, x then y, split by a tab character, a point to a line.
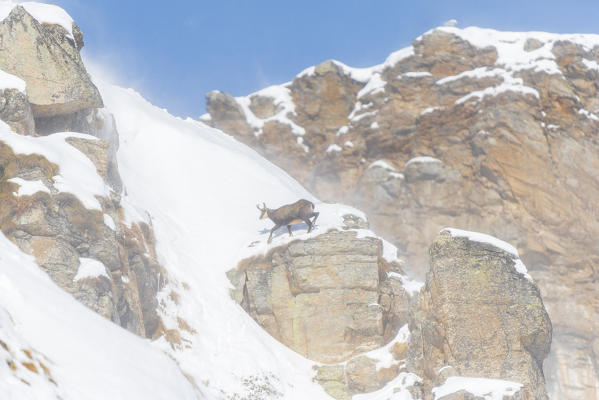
300	211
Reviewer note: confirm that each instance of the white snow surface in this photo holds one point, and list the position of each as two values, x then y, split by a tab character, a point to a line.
477	73
381	164
591	64
383	355
397	389
423	159
588	114
343	130
9	81
90	269
493	241
429	110
109	222
43	13
414	74
489	389
28	188
300	142
77	174
411	286
333	148
38	384
375	85
509	84
88	356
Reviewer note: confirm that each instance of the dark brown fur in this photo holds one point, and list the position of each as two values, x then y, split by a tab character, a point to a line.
300	211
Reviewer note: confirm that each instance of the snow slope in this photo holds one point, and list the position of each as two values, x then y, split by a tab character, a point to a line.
201	188
87	356
77	173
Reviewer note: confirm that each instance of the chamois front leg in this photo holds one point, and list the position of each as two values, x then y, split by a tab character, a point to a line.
313	222
272	231
315	215
289	229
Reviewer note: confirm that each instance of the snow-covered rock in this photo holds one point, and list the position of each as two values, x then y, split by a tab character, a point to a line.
480	316
39	46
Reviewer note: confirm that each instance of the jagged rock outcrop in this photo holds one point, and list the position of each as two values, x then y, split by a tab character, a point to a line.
331	296
48	59
105	263
511	120
63	235
480	316
233	118
321	296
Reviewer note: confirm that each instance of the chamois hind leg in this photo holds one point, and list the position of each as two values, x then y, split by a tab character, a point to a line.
289	229
274	228
309	223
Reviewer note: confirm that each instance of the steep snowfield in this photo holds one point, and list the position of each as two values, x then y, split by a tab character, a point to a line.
87	356
200	188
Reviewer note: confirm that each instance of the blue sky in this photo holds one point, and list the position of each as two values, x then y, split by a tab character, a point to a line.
173	52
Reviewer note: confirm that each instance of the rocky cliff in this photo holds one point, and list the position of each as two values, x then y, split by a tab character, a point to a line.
480	315
335	299
84	243
339	296
484	130
322	297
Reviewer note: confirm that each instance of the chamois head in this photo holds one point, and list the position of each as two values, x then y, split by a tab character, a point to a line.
263	211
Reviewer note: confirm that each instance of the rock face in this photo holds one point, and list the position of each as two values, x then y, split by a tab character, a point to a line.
62	235
16	111
66	238
479	316
320	297
233	118
516	144
335	300
49	62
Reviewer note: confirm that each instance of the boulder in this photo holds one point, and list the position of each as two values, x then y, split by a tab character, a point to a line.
329	298
48	60
319	296
226	114
424	169
480	314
